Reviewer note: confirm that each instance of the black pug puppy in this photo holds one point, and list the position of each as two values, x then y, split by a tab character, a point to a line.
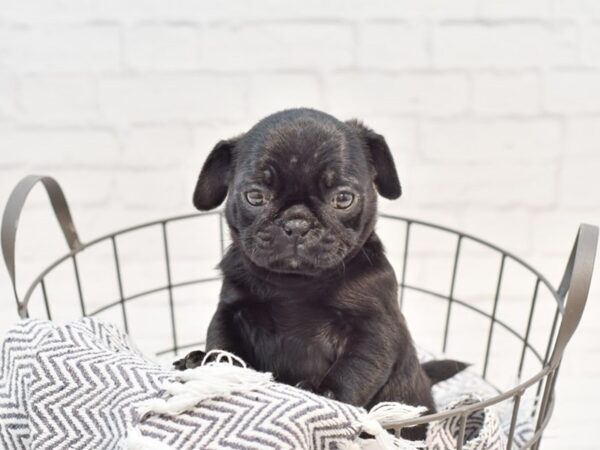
308	293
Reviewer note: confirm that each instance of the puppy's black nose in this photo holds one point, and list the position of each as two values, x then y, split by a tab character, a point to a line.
296	227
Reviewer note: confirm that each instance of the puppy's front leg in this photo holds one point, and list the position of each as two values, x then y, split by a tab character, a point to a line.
360	372
221	332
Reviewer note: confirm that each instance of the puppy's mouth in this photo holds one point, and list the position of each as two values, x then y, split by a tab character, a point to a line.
290	261
309	255
293	265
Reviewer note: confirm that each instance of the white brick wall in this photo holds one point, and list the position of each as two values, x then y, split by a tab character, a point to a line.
492	108
504	45
506	93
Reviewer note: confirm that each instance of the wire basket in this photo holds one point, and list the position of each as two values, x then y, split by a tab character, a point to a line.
536	319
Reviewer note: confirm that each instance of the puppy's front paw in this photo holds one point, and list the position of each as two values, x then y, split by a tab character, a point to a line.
323	391
305	385
179	364
191	360
327	393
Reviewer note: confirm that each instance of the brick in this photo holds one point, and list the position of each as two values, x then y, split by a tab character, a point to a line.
460	9
128	12
506	94
58	99
56	148
583	136
150	189
152	98
12	40
43	11
485	186
205	11
308	10
566	9
274	92
283	45
590	8
86	187
514	9
504	45
572	91
577	9
156	146
491	141
61	48
385	45
272	10
358	9
591	45
554	231
162	47
578	185
511	230
9	157
8	89
424	93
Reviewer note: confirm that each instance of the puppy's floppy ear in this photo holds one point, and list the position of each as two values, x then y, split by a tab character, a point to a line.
213	182
386	178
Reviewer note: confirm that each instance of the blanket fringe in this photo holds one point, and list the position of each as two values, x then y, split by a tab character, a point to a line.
219	377
226	373
373	423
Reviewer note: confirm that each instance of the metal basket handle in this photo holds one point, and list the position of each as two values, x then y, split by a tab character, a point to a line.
10	222
575	286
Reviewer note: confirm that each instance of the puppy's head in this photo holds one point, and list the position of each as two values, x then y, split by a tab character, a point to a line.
300	188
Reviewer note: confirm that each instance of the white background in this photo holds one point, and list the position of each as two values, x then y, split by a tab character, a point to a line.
491	107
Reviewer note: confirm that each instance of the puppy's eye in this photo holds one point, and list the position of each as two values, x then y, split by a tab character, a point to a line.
257	198
342	200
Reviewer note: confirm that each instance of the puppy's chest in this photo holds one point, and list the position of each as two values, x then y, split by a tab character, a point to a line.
295	341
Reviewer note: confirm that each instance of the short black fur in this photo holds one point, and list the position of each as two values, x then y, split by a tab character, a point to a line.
308	293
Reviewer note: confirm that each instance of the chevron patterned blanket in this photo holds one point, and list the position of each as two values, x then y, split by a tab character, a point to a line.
84	385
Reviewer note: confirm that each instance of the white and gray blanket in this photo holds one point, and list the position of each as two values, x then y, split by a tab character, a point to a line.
84	385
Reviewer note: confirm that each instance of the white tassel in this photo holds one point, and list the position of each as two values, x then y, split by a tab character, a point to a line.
388	413
222	356
373	423
210	380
